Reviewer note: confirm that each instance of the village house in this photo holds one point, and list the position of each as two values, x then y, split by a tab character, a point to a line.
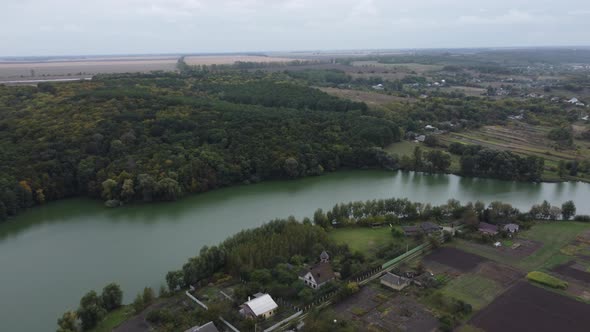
262	306
394	281
573	100
320	274
452	228
488	229
209	327
378	87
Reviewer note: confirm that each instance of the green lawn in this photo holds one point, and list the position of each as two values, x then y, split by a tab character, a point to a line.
113	319
365	240
473	289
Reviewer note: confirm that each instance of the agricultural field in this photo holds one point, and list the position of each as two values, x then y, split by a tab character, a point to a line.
522	139
544	246
91	66
377	308
518	309
370	98
231	59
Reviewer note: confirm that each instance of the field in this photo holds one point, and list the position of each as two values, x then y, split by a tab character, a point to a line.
378	308
231	59
365	240
530	308
553	236
473	289
9	70
455	258
522	139
370	98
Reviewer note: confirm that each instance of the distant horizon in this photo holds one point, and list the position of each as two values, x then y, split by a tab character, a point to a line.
294	51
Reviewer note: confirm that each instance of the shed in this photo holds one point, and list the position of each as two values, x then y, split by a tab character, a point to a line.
394	281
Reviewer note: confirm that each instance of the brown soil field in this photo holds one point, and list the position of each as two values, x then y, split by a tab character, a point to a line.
381	309
525	307
455	258
231	59
503	274
569	270
68	68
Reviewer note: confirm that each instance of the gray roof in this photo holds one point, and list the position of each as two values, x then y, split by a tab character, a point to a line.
394	279
511	228
209	327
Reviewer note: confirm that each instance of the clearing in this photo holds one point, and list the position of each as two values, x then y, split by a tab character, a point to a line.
365	240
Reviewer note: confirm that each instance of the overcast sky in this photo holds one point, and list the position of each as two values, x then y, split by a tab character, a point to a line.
55	27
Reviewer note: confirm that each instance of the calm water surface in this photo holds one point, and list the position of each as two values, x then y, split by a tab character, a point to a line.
50	256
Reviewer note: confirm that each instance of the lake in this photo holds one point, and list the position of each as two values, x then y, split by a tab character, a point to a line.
52	255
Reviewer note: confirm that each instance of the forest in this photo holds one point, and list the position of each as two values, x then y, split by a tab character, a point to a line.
155	137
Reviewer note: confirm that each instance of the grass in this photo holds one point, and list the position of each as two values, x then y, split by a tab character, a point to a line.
365	240
554	236
547	280
473	289
113	319
406	148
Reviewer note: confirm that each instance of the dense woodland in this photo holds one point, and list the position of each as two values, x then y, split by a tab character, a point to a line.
155	137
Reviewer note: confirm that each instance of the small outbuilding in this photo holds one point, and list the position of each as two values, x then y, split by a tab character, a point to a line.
511	228
261	306
394	281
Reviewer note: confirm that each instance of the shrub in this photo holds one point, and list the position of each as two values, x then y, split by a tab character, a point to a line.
547	280
582	217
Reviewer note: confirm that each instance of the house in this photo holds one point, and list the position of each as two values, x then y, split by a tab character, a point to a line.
378	87
319	274
420	138
261	306
488	229
430	227
511	228
429	127
497	244
394	281
573	100
209	327
452	228
585	118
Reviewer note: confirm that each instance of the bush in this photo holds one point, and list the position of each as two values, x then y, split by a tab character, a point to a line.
547	280
582	217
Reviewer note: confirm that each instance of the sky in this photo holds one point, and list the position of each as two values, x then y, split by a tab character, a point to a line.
79	27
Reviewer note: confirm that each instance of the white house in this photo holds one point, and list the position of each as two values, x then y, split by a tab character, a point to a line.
319	274
573	100
261	306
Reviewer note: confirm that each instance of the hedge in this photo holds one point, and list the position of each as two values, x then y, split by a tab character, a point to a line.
547	280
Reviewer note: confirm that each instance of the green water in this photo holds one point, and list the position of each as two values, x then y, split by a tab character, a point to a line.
50	256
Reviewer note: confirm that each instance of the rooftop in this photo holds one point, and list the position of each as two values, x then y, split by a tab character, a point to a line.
261	304
394	279
209	327
321	272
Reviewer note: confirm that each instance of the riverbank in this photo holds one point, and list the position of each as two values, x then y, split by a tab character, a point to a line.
79	244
